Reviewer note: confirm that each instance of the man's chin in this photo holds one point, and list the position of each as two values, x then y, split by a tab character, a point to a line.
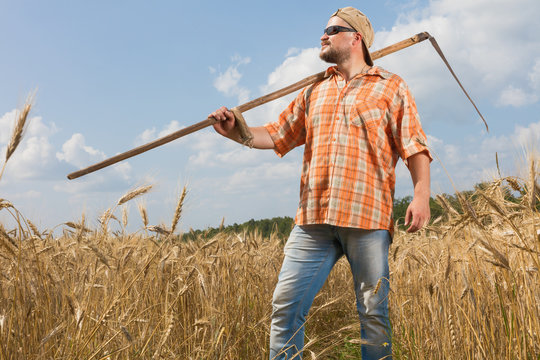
323	54
324	57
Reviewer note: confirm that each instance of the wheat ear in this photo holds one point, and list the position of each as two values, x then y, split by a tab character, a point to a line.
134	193
18	130
178	210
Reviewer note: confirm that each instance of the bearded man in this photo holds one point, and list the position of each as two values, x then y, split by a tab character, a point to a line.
354	124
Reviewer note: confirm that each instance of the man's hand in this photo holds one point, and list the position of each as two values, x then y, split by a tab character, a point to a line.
226	127
417	214
226	121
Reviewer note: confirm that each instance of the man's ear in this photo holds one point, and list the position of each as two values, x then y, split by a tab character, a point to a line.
357	38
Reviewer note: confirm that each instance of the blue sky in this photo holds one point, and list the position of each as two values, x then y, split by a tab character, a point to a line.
114	75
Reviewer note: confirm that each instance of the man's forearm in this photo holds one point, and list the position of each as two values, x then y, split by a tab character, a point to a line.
419	168
418	212
261	138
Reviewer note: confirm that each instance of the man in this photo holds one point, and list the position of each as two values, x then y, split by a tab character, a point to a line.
354	125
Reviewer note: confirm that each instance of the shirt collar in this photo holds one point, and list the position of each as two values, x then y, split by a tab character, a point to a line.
374	70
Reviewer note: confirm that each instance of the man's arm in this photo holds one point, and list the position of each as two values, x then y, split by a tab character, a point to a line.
225	126
418	212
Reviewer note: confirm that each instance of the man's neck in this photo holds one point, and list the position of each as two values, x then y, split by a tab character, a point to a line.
350	69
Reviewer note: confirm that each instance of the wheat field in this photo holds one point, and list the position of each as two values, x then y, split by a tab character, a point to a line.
465	287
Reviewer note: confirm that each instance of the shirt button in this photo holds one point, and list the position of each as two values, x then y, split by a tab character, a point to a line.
334	139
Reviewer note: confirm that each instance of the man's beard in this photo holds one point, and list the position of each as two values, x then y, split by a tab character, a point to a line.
334	56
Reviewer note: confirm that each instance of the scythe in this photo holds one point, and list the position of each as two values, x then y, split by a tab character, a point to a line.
243	128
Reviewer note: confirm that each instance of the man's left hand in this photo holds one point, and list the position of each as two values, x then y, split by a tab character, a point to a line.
417	214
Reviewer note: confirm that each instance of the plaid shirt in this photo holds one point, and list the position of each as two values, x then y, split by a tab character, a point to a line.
353	134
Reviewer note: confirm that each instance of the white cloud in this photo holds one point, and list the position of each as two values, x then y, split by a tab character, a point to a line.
123	169
512	96
227	82
433	141
203	140
239	60
240	156
488	43
527	137
293	51
34	152
203	158
471	160
171	127
149	135
7	121
452	154
146	136
262	176
29	195
36	127
297	65
5	124
534	75
211	150
76	152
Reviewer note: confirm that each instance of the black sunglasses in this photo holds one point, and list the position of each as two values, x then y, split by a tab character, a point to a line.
334	29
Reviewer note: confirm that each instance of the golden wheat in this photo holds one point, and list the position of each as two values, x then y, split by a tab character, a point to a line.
178	210
467	287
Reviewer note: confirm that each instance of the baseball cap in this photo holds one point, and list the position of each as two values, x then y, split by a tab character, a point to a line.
359	22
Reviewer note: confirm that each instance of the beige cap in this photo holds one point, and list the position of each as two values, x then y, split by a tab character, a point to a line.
360	23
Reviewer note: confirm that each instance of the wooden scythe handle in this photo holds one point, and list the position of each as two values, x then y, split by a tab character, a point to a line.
242	108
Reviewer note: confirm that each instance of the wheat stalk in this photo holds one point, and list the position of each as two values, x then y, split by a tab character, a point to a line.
158	229
125	216
18	130
531	185
178	210
144	215
130	195
134	193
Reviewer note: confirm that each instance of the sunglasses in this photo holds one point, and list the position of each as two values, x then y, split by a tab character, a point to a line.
333	30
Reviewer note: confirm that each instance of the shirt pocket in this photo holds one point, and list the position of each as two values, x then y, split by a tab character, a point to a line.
366	114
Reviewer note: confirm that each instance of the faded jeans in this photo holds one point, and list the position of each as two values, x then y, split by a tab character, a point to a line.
310	254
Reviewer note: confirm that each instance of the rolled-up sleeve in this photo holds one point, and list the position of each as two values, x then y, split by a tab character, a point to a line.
407	133
289	131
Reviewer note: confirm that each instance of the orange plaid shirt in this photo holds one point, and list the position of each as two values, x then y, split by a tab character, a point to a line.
353	134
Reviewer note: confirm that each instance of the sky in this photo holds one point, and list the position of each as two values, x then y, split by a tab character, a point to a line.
112	75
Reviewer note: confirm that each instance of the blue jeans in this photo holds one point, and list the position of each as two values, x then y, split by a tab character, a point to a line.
310	254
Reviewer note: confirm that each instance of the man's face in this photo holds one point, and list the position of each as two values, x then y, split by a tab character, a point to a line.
336	48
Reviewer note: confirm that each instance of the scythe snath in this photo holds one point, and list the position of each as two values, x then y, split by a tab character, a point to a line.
263	100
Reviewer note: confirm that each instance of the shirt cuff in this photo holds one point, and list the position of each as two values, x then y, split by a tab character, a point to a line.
416	146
